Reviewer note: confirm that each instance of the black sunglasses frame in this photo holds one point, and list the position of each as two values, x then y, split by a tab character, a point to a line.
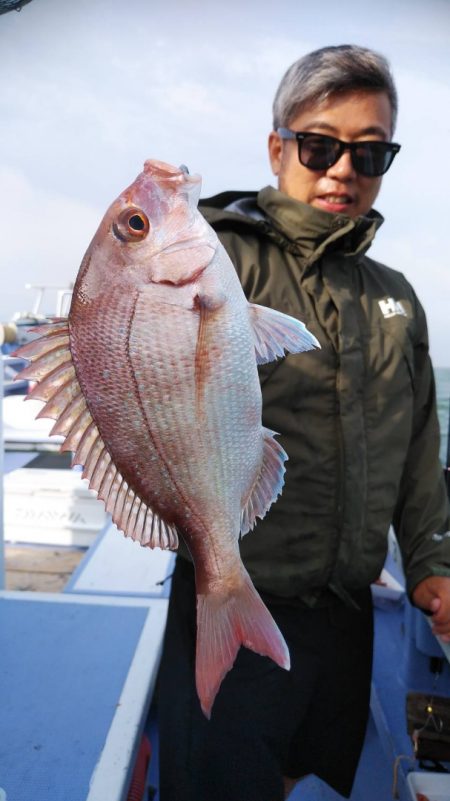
389	148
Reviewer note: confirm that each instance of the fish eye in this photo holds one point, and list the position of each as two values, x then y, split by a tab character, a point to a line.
136	222
132	225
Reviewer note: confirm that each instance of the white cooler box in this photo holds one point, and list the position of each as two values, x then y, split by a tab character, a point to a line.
52	507
434	786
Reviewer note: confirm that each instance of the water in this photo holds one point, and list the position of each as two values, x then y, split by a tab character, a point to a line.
443	395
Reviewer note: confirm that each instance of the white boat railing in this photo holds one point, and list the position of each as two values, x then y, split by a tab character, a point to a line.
2	547
4	361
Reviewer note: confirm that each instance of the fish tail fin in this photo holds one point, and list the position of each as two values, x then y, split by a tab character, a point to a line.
223	625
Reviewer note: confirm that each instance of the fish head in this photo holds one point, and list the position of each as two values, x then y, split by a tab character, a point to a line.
152	233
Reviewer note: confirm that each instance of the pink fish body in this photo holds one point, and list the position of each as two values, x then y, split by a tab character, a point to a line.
153	381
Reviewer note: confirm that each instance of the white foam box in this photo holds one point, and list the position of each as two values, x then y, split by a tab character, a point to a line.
388	591
434	786
22	429
53	507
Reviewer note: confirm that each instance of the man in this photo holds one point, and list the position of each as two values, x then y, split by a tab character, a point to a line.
358	421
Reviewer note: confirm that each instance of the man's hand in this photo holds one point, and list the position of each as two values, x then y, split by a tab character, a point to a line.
433	596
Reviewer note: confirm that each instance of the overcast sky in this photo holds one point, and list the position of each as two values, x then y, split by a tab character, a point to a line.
91	88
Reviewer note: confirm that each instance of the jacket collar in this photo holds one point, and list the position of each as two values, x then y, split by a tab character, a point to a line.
296	226
313	231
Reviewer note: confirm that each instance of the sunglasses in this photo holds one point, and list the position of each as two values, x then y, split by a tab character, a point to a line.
318	152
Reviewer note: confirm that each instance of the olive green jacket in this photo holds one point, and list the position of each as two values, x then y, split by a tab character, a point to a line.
357	418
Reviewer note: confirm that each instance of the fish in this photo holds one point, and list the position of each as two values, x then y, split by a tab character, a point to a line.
152	380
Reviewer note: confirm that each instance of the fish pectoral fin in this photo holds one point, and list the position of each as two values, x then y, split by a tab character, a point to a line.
268	484
224	623
209	301
52	367
275	332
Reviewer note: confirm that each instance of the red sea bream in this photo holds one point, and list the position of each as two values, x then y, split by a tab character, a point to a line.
153	381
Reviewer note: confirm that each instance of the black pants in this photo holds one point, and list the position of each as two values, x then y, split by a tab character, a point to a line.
266	722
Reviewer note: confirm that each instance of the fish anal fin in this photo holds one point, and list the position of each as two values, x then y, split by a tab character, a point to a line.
275	332
268	484
224	623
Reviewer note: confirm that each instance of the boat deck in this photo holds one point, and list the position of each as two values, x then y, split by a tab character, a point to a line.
40	568
100	612
75	691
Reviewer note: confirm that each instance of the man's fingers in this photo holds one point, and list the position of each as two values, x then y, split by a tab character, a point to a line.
441	621
426	599
435	605
432	595
441	626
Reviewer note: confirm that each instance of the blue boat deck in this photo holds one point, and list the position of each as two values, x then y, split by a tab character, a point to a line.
77	676
78	670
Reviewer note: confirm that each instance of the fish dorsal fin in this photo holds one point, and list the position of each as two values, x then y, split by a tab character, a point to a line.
52	366
268	484
275	332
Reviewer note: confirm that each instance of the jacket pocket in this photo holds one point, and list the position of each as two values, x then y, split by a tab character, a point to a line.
390	357
400	336
389	407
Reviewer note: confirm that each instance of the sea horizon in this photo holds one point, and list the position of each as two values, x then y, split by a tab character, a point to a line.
442	375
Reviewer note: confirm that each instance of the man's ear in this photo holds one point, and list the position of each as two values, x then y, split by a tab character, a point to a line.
275	151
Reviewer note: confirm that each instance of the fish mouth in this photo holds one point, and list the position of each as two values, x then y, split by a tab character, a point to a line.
161	171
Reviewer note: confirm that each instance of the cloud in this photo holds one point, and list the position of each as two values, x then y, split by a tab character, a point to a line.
99	87
425	264
44	236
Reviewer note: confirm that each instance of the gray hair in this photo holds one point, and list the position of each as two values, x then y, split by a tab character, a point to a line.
328	71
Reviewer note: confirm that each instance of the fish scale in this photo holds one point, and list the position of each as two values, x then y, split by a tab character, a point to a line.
107	379
197	465
153	382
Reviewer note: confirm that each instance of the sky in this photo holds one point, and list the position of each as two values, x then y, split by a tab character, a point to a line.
89	89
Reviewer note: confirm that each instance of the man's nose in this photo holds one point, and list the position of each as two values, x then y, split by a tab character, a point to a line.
343	169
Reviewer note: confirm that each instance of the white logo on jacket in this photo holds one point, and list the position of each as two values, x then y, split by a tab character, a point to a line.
390	307
440	537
